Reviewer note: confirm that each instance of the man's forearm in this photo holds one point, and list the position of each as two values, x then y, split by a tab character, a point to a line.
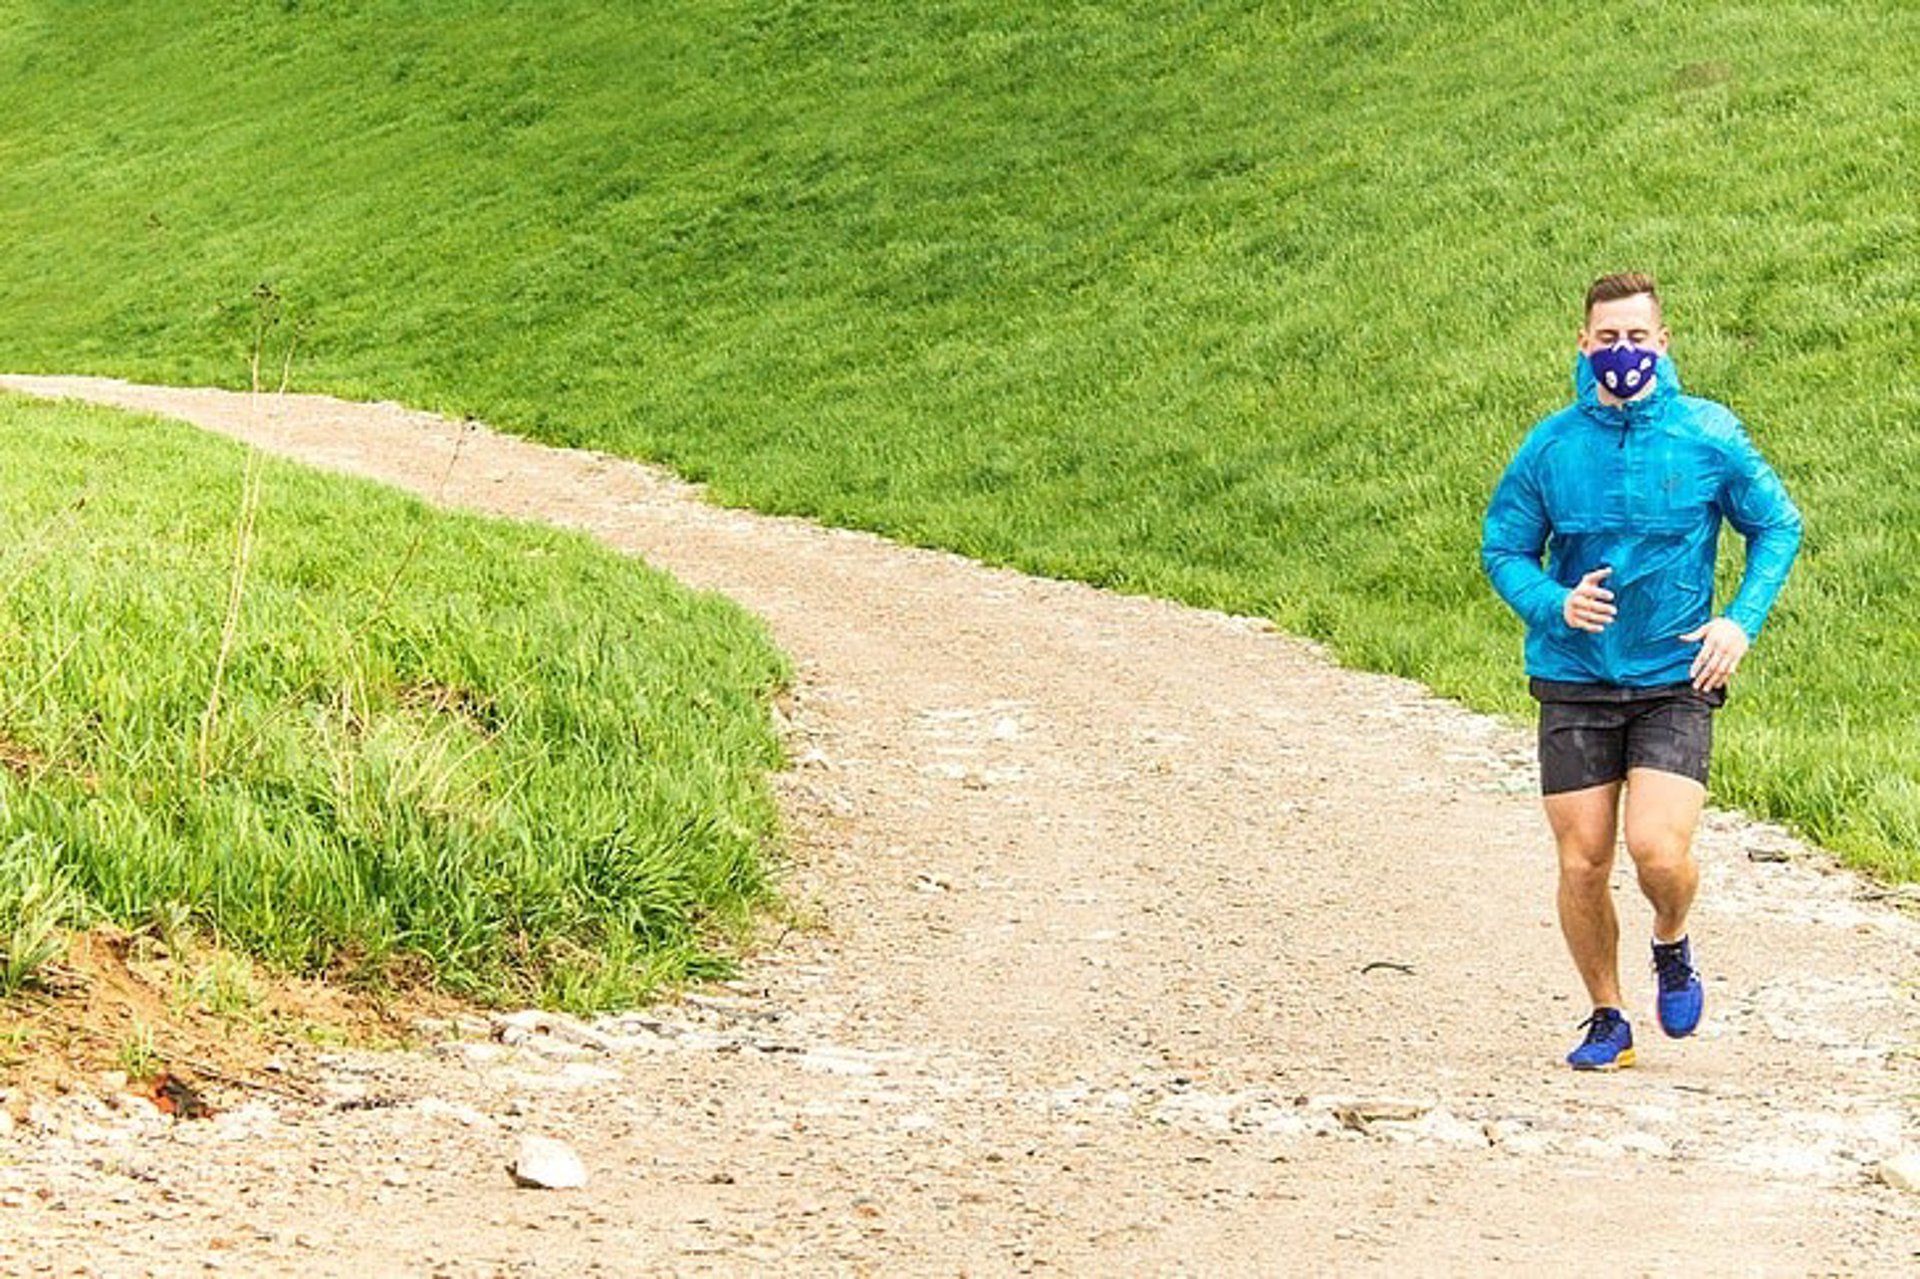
1525	586
1770	556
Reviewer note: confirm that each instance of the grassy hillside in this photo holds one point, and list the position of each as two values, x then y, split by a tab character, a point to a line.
496	757
1241	303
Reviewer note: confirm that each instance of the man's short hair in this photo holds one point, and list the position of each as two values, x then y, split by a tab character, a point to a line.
1622	284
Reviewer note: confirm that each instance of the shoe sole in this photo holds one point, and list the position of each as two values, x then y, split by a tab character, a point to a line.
1620	1062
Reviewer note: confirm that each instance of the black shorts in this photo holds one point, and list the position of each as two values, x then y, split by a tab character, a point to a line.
1593	733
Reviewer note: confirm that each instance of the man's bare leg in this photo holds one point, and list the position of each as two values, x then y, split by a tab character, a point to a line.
1662	810
1585	826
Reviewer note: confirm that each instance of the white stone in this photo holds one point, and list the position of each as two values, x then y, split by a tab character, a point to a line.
545	1163
527	1021
1902	1172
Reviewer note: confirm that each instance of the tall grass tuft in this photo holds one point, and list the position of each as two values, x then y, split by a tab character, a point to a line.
37	905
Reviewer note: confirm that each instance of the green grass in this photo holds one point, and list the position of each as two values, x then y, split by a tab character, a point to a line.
1244	304
490	756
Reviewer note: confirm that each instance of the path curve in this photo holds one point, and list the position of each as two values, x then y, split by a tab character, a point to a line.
1107	882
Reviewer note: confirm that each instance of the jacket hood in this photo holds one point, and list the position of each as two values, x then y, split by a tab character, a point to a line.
1586	387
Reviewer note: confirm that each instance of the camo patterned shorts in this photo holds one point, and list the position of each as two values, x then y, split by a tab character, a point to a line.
1593	733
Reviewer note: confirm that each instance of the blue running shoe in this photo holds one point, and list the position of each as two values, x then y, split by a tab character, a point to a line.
1609	1042
1681	997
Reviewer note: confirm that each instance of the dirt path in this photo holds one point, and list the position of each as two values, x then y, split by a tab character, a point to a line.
1105	882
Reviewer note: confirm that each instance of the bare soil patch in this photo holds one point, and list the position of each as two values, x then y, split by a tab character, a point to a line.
127	1004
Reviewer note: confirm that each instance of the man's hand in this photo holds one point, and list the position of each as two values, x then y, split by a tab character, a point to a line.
1722	646
1590	606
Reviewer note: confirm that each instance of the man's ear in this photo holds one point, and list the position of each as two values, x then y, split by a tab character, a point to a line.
1581	340
1666	339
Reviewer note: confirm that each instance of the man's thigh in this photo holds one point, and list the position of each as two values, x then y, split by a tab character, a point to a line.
1585	822
1661	811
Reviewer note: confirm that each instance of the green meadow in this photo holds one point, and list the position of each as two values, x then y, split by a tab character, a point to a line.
1243	304
491	757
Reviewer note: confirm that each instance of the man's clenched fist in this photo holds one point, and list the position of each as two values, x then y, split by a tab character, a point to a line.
1590	606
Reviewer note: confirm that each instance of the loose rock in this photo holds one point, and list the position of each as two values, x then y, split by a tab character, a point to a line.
545	1163
1902	1172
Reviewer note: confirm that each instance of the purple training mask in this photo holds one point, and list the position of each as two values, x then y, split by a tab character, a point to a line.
1623	368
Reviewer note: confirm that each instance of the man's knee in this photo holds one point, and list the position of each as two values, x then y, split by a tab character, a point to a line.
1585	865
1659	849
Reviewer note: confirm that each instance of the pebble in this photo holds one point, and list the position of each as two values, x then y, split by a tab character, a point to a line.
1902	1172
546	1163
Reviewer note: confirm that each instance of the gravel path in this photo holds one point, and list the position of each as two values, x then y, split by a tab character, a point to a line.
1108	884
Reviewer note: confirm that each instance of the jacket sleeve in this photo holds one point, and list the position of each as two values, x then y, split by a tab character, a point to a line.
1755	502
1513	538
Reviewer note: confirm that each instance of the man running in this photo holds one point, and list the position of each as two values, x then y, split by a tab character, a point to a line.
1625	490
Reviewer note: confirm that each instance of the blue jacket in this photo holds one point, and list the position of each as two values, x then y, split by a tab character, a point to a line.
1642	487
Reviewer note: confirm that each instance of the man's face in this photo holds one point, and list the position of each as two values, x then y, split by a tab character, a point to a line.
1636	318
